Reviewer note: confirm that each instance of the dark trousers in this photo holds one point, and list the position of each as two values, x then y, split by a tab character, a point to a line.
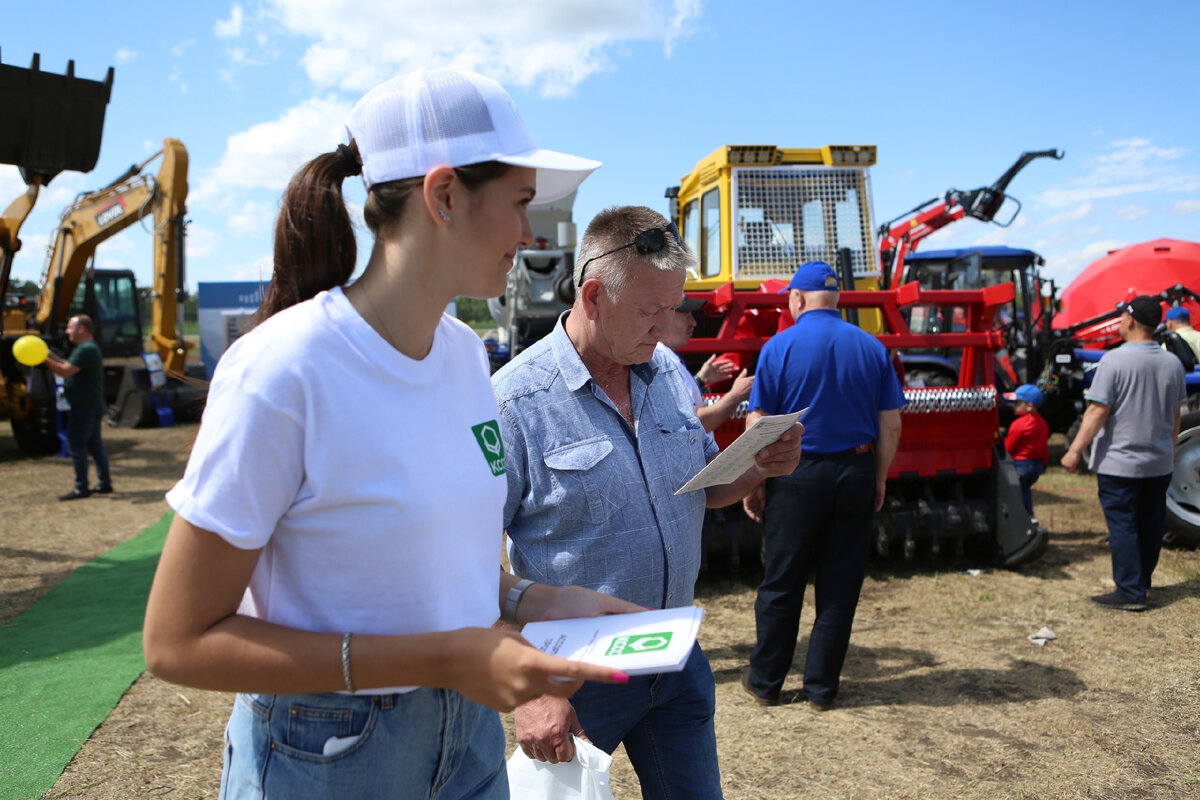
816	525
1136	512
83	438
1028	472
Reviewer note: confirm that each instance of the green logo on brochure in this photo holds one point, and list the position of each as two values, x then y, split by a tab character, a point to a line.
639	643
488	436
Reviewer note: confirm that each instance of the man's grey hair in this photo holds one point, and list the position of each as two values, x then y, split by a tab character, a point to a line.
616	226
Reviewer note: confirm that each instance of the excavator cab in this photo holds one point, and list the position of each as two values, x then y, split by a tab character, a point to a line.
110	298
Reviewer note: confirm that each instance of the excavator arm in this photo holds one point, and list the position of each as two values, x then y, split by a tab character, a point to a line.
900	236
10	225
97	216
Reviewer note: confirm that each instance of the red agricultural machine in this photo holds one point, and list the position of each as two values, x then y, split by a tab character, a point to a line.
751	214
1055	339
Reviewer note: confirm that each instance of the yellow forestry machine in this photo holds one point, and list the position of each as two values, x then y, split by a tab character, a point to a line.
53	123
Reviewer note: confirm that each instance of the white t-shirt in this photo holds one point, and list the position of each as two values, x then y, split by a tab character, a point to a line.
374	483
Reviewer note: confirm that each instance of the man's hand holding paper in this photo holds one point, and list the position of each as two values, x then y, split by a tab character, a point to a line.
782	456
771	447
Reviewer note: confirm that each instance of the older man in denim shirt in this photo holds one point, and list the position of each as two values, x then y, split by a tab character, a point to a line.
599	432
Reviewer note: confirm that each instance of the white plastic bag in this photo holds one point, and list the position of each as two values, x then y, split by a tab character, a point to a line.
584	777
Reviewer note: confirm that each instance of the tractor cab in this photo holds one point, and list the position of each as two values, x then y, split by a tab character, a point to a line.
1021	321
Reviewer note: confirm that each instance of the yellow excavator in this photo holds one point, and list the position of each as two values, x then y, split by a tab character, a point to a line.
97	216
57	127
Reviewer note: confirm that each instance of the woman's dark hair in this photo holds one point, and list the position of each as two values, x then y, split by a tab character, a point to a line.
315	249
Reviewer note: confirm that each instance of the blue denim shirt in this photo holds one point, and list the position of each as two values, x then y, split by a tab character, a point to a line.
592	501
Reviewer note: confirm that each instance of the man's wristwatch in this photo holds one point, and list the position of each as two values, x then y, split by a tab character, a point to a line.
509	612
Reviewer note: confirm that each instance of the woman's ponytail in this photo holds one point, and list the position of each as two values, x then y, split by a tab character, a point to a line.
315	248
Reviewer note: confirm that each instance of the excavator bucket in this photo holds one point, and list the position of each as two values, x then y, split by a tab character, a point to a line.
51	122
48	123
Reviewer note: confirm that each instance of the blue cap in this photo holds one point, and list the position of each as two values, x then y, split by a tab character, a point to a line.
1179	312
813	276
1026	392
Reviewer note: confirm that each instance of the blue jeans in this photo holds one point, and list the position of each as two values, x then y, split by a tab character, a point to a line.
1136	512
83	438
816	525
1028	472
429	743
666	723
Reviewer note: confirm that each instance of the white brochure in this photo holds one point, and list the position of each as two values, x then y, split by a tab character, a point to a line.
640	643
731	462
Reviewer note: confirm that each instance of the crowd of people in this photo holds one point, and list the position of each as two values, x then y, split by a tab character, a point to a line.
322	567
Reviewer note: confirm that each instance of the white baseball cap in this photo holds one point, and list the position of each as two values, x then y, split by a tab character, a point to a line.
443	117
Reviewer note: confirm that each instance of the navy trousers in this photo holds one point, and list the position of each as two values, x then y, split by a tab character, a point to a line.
816	526
1136	512
83	439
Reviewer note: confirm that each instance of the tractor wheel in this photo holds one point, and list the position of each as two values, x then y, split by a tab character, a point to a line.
1183	496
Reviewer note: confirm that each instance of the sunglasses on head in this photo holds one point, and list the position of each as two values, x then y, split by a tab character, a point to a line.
647	243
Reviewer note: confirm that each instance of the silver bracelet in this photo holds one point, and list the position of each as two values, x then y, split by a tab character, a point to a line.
346	662
509	613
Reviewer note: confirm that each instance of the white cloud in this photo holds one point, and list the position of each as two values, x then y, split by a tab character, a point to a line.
266	155
1066	265
129	240
974	233
176	78
124	55
257	270
1186	207
256	48
1065	236
253	219
685	12
1073	215
232	27
1132	166
179	49
200	242
11	184
1131	212
553	46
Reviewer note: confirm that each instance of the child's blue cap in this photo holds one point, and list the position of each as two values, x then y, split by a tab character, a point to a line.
1027	393
1179	312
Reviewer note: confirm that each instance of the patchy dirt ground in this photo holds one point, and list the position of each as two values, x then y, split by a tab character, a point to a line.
943	694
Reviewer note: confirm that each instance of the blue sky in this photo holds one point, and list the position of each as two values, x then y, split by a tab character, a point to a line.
951	93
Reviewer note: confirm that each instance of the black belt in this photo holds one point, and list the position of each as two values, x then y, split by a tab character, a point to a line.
869	447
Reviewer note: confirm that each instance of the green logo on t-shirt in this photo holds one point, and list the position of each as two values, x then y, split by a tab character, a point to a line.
488	436
638	643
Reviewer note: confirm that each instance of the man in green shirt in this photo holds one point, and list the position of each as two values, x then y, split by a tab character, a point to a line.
83	387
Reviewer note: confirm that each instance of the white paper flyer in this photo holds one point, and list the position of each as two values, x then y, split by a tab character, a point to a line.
640	643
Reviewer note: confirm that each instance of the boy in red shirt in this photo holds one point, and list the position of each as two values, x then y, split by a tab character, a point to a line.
1026	439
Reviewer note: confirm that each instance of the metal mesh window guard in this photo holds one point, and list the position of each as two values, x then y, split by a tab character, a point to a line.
787	215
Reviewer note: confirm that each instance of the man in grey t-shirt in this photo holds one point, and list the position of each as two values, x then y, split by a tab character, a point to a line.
1133	416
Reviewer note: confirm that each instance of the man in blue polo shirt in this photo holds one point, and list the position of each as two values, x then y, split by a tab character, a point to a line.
817	519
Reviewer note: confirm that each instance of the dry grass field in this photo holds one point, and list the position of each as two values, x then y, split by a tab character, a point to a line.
943	695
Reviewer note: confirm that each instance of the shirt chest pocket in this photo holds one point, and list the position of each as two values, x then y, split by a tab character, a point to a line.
685	452
588	482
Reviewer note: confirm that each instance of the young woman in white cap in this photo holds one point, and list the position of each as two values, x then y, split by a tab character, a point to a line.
337	532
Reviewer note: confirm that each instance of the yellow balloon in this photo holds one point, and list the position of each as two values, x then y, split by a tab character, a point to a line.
30	350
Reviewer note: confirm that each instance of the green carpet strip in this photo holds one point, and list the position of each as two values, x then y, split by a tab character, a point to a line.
66	662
